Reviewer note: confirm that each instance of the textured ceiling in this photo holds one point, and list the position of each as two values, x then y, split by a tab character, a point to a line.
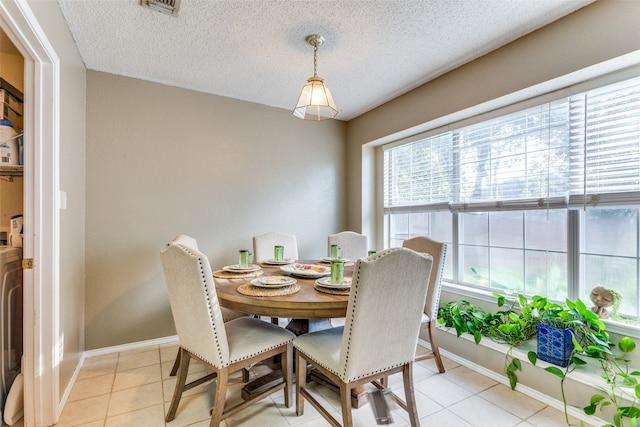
255	50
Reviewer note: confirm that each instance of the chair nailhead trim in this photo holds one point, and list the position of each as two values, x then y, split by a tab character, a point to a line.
210	310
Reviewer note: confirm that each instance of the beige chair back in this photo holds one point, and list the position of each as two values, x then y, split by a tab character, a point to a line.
183	239
354	245
384	312
437	250
263	246
194	304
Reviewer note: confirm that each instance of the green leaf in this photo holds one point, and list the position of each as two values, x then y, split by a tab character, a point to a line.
596	398
471	327
522	300
514	317
513	380
517	364
637	391
576	344
632	412
533	357
627	345
577	361
477	336
589	410
555	371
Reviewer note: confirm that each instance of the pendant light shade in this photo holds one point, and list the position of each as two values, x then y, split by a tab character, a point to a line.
315	102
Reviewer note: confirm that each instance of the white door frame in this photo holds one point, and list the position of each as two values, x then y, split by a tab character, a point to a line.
42	342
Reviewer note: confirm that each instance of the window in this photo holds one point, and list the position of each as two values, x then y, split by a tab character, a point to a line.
544	200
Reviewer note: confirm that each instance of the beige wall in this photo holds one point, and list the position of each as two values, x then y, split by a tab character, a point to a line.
163	161
596	33
72	181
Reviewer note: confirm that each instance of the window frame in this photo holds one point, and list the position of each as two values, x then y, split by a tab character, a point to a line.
573	217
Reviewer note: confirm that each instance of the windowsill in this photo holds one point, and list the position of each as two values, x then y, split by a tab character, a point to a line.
613	327
587	374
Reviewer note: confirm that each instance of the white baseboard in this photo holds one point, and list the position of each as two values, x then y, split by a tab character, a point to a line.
107	350
130	346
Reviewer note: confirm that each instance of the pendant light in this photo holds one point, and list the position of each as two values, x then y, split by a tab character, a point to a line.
315	102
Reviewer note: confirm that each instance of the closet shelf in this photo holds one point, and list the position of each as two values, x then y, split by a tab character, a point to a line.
11	170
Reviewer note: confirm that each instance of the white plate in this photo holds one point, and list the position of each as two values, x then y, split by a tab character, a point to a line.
328	259
258	283
283	262
325	282
236	269
306	270
277	280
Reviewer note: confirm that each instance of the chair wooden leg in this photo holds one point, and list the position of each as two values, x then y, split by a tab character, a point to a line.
221	394
181	380
384	381
409	393
434	346
301	379
245	375
176	365
286	361
345	402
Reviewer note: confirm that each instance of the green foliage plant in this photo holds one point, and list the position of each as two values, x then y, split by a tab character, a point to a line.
515	322
591	340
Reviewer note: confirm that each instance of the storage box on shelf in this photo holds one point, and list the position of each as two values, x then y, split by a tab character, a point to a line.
11	101
6	86
8	113
11	107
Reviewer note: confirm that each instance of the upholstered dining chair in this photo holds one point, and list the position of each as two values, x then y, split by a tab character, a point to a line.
379	336
429	320
227	314
264	243
354	245
223	348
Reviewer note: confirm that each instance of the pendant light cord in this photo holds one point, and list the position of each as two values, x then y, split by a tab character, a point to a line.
315	59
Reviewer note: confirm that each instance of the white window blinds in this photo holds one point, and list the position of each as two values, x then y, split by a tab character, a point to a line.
583	150
605	145
419	174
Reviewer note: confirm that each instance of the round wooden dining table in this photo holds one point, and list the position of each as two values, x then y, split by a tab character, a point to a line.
307	303
308	309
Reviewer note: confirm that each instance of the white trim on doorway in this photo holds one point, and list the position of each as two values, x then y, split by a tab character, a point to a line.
42	343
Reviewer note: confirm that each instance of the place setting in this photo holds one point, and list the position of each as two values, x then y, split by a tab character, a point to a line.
336	254
278	257
242	270
270	286
309	271
335	283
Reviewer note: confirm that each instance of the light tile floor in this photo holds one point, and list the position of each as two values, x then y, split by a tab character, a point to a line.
133	388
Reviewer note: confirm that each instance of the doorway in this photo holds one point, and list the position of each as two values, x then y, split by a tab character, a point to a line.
41	229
